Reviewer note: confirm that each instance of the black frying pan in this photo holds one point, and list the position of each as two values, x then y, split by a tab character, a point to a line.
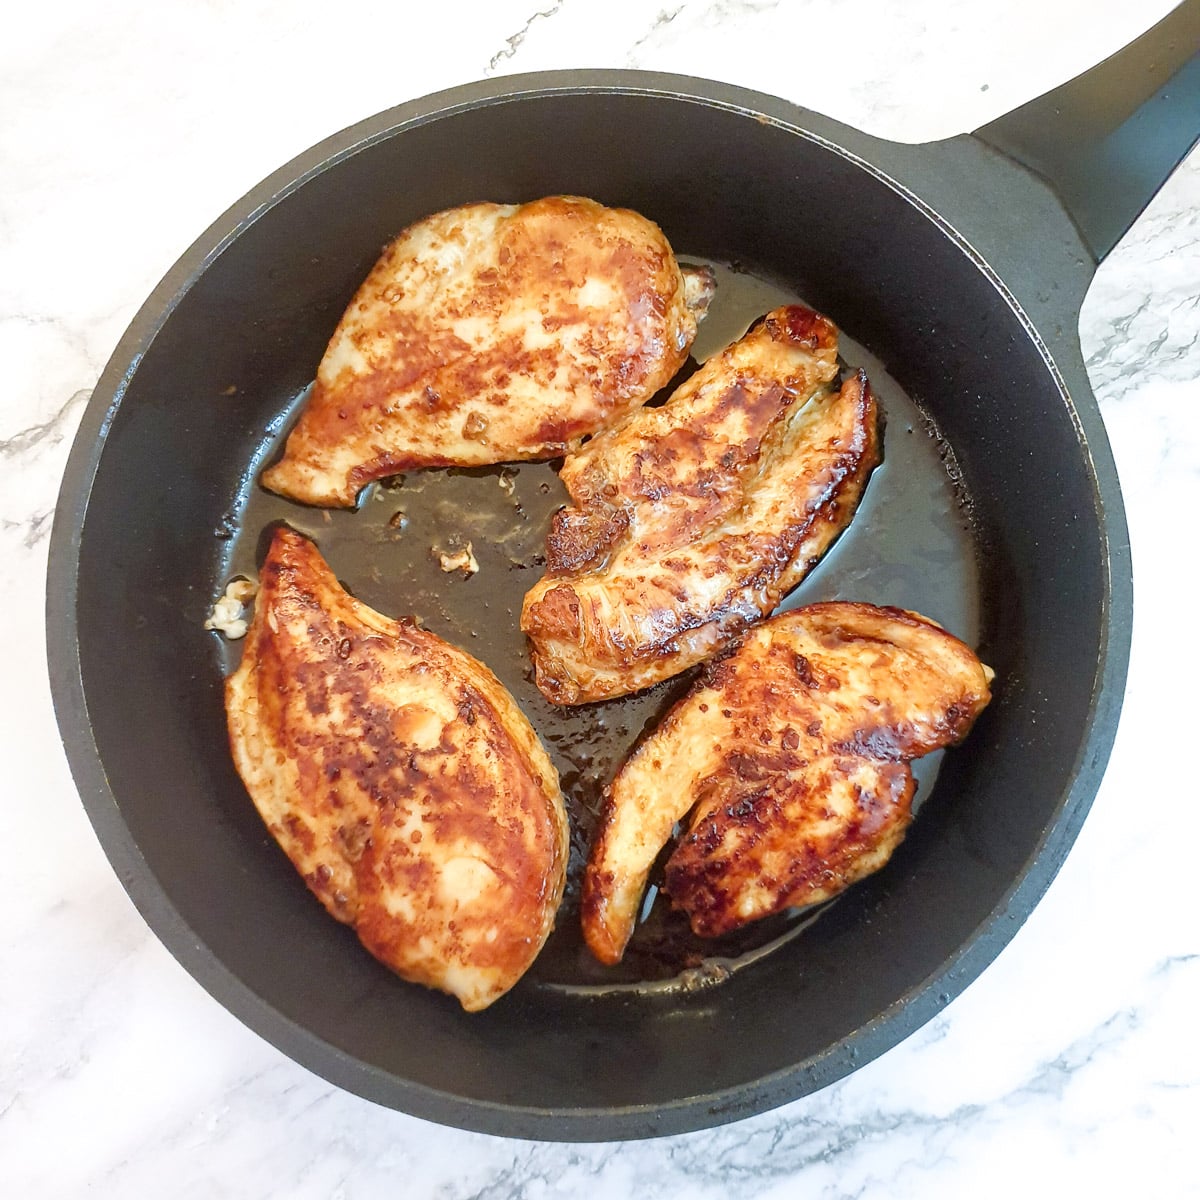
956	269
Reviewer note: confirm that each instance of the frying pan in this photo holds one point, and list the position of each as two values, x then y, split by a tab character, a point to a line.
956	270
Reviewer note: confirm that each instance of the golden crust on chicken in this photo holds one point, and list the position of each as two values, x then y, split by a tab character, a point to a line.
689	521
491	333
400	778
791	756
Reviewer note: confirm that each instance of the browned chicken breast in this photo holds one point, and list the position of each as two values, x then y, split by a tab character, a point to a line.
491	333
791	755
401	780
691	520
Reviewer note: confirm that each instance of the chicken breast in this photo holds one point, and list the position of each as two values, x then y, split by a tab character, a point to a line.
400	778
491	333
791	755
691	520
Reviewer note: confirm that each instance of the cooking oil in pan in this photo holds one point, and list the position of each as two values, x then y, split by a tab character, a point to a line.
909	545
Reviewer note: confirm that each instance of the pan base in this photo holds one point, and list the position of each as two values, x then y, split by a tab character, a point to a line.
911	545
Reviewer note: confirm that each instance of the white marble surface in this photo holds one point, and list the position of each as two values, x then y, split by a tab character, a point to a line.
1071	1067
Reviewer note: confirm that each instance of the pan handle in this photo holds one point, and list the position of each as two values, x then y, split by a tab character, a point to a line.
1107	140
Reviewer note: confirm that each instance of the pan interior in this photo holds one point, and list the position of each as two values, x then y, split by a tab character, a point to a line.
910	545
173	511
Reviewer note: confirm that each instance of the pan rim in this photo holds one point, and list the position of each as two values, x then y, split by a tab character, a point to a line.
599	1123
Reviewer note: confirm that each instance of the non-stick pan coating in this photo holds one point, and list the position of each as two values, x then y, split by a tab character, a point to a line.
221	353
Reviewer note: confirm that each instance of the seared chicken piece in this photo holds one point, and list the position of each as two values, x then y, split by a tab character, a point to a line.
792	756
401	780
692	520
491	333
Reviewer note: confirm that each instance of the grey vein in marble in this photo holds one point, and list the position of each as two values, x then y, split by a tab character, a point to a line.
31	530
666	28
661	22
513	43
52	431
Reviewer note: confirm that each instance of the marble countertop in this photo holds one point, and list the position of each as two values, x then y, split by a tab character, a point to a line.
1070	1067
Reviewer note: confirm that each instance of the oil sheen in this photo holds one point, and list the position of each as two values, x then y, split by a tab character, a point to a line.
911	545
